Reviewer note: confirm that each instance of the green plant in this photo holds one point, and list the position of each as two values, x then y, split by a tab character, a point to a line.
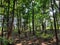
5	41
10	41
44	35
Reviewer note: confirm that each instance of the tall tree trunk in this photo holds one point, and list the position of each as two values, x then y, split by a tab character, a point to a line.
2	28
11	23
18	23
59	6
33	18
8	19
52	6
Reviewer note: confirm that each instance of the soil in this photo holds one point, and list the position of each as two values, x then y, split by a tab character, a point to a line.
31	40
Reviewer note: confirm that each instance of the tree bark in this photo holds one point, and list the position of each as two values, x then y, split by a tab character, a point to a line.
33	19
18	23
52	6
10	28
8	18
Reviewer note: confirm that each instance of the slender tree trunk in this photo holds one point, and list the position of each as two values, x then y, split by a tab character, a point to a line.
2	29
33	19
11	23
18	23
59	6
52	6
42	26
8	19
29	28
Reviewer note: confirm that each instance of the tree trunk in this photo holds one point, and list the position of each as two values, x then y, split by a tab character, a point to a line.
8	19
59	6
18	23
10	27
42	26
2	30
33	19
52	6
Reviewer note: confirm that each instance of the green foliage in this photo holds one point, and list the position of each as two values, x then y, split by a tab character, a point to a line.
41	11
44	35
5	41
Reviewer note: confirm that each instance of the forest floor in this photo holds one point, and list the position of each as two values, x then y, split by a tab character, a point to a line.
35	41
31	40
